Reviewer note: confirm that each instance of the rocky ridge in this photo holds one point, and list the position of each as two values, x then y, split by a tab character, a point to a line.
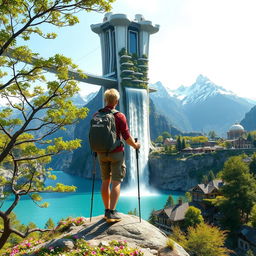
144	236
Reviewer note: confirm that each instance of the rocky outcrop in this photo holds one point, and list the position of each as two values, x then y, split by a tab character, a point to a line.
183	172
141	235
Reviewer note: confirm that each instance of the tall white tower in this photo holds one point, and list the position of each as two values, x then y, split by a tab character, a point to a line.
125	48
118	32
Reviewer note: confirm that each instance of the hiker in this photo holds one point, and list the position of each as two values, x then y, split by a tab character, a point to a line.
112	163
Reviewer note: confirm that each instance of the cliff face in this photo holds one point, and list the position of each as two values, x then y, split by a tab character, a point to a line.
249	121
182	173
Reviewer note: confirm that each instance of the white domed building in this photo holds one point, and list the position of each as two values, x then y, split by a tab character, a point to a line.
236	131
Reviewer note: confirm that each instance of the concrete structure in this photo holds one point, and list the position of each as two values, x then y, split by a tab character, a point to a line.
236	131
118	32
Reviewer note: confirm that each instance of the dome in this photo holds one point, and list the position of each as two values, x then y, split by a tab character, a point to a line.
237	127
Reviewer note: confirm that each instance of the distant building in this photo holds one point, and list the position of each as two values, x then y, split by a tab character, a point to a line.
198	150
170	142
236	131
240	143
206	191
247	239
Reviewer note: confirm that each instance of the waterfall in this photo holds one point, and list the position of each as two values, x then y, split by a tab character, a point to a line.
137	114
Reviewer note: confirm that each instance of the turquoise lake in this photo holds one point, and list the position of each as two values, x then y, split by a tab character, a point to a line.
78	203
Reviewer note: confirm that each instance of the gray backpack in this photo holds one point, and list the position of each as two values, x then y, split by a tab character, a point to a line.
102	134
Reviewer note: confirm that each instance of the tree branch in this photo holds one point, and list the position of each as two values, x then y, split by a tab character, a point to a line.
24	235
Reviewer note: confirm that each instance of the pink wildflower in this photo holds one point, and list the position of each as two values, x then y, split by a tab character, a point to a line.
28	244
116	248
76	236
121	247
102	249
94	253
121	254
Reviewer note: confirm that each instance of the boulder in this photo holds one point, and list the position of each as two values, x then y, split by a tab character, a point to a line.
141	235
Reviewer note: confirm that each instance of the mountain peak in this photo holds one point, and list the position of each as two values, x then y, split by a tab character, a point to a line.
202	79
199	91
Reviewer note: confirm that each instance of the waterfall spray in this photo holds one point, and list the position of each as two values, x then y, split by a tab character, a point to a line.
137	114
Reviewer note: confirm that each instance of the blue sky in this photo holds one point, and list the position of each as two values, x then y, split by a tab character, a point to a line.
215	38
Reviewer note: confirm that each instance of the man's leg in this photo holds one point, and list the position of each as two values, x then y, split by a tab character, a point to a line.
114	195
105	193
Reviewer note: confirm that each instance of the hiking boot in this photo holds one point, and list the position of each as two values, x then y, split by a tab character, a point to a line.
112	216
106	213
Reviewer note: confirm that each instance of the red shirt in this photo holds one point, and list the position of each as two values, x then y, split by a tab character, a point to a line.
122	129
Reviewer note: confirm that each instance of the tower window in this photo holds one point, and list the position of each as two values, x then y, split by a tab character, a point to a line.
133	42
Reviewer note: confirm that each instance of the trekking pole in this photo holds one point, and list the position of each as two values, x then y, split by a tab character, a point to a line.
138	177
93	181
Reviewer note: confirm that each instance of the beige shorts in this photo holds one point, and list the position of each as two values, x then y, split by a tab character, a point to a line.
112	166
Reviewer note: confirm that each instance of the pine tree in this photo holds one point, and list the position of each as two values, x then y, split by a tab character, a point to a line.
183	143
211	175
50	224
178	144
169	202
239	192
152	218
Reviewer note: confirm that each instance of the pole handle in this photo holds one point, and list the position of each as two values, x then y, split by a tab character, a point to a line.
137	151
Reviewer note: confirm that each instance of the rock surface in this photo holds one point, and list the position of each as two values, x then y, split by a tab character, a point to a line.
138	234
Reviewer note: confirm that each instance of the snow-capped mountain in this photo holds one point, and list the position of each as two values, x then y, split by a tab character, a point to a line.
169	106
203	106
199	91
81	100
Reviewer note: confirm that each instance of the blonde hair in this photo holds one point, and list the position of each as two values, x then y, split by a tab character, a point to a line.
111	96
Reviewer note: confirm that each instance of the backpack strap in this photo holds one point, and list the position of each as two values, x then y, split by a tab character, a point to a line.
113	111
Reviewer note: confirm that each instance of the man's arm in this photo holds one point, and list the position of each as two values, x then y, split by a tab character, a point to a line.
130	141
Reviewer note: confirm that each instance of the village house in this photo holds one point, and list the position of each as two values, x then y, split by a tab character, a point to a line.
170	142
206	191
167	217
247	239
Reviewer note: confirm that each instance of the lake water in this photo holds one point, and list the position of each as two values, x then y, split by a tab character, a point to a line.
76	204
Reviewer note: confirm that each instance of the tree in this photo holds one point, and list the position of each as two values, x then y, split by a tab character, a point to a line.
159	139
206	240
212	135
169	202
37	106
188	197
249	253
166	135
183	143
211	175
193	217
253	216
205	179
152	218
249	137
252	165
134	212
50	224
178	144
239	192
